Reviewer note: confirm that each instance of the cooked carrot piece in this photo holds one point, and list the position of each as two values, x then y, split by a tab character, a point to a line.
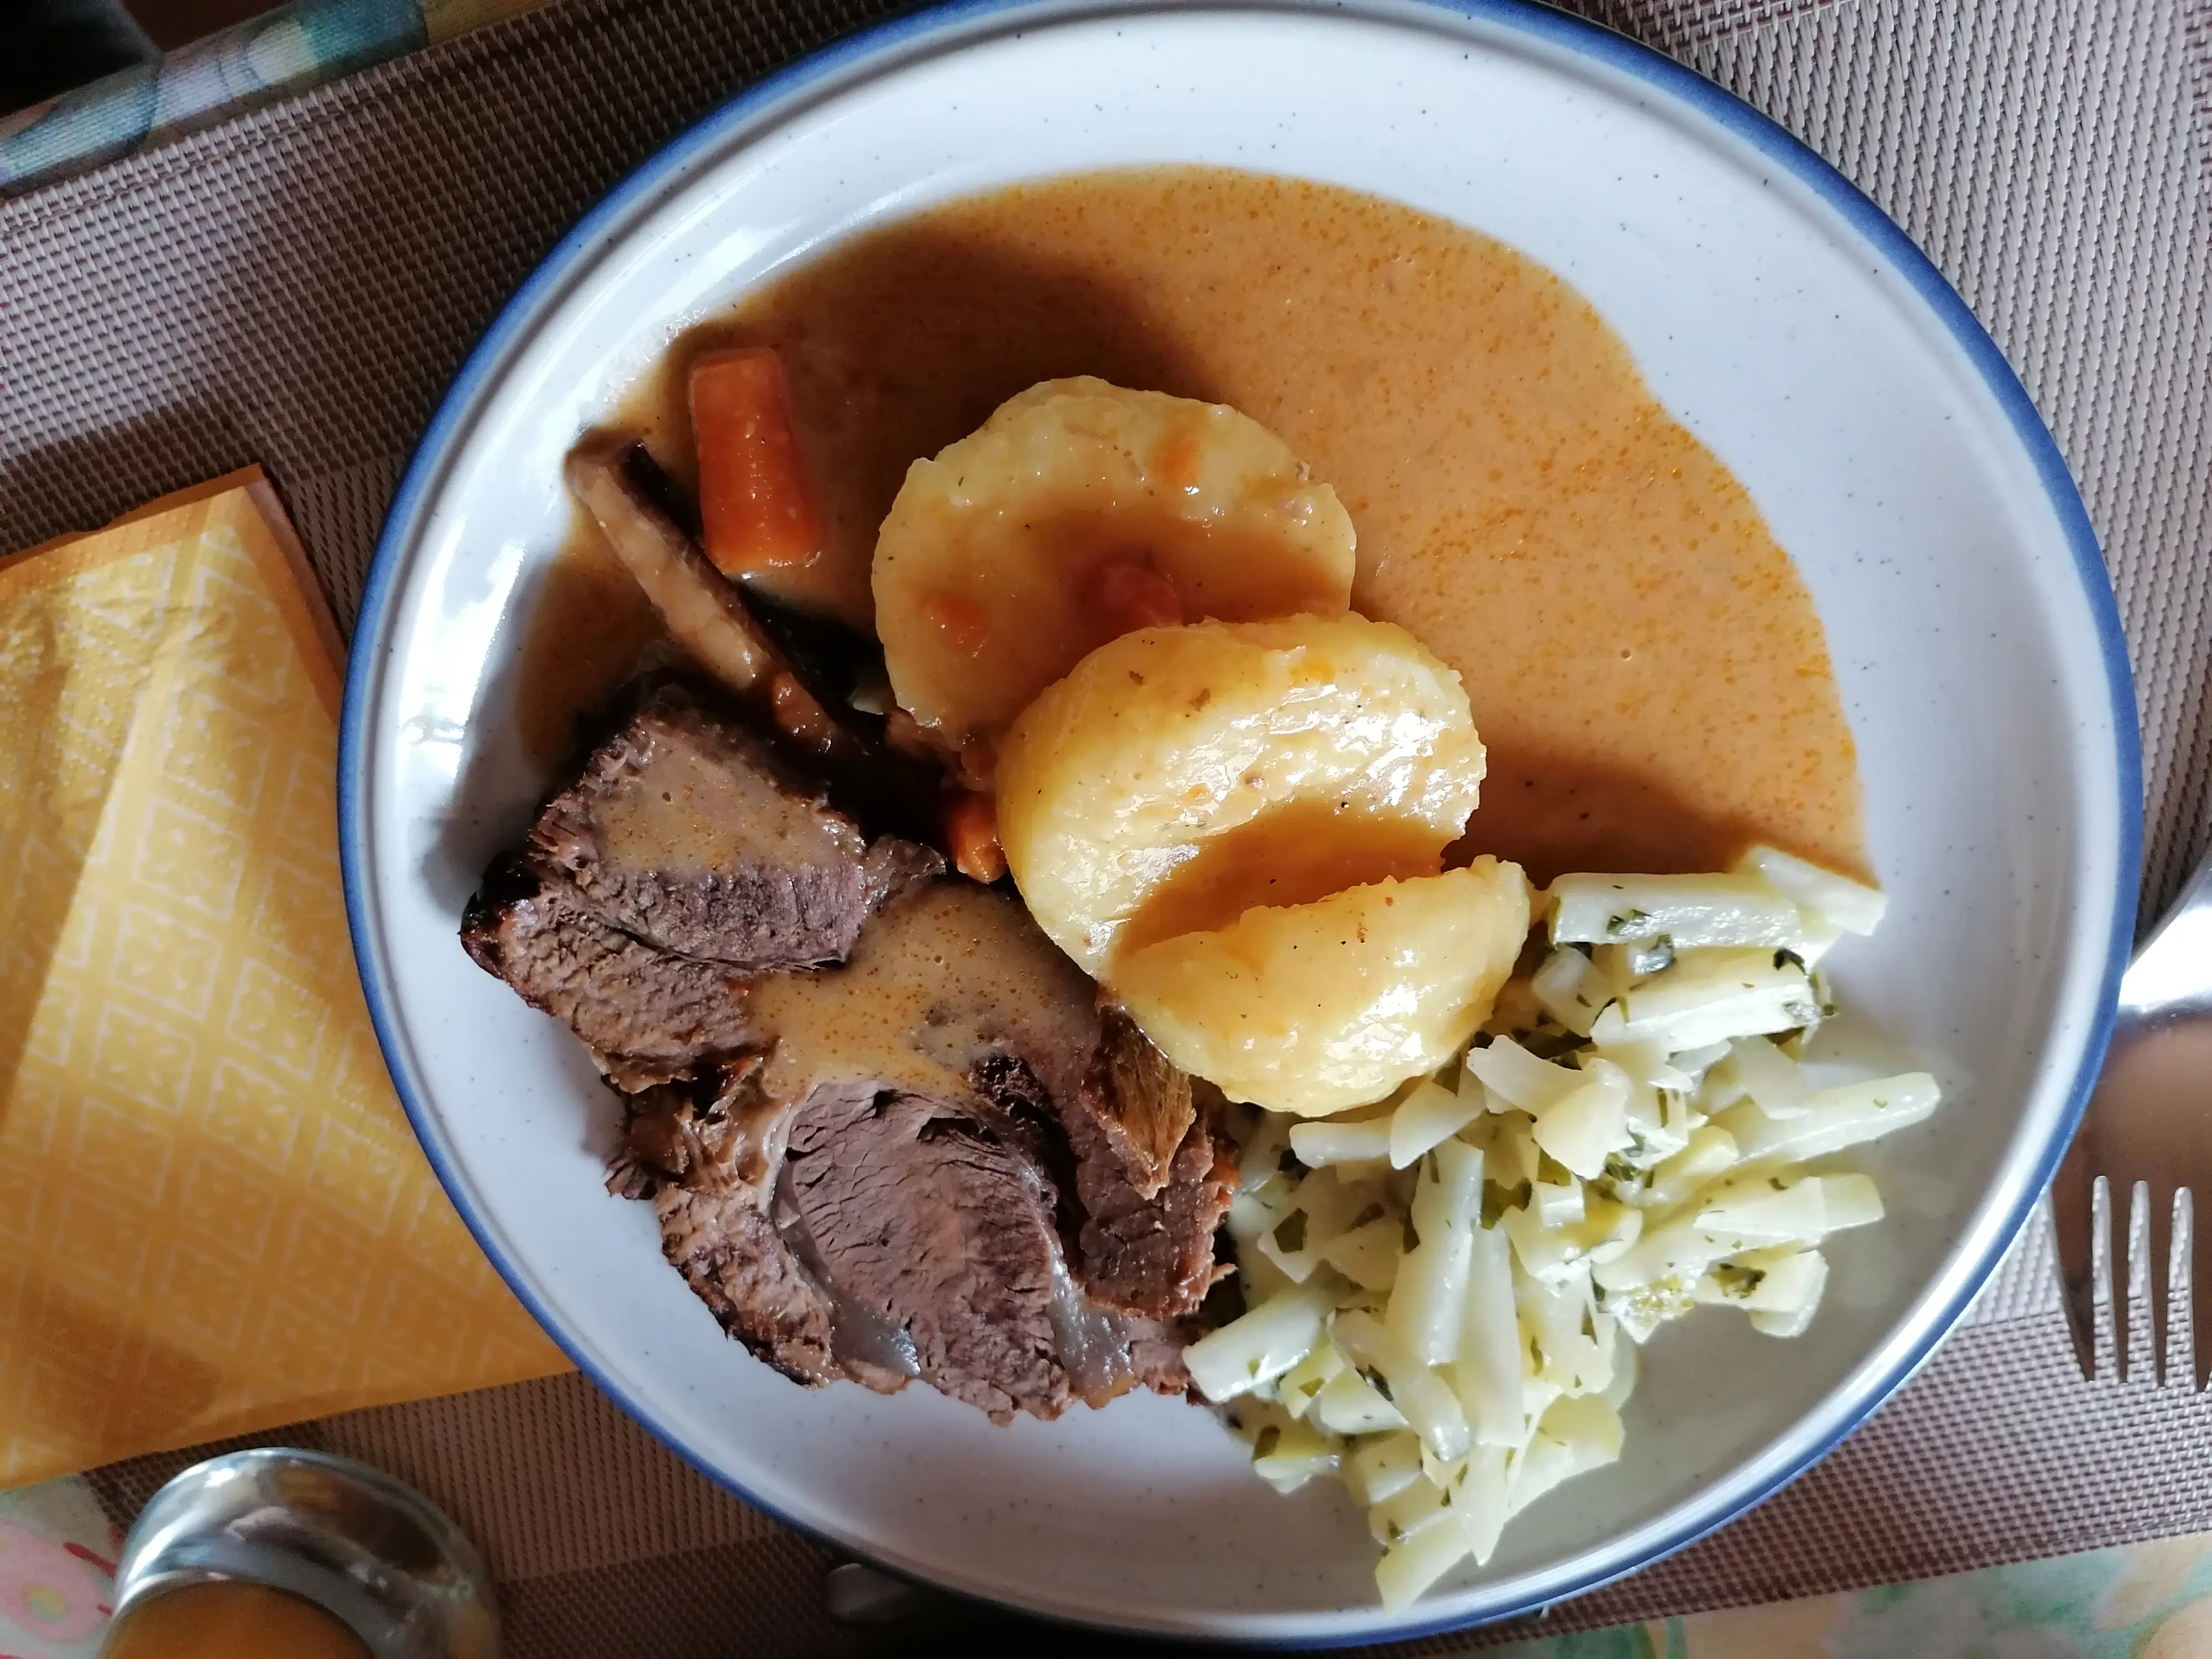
755	510
971	825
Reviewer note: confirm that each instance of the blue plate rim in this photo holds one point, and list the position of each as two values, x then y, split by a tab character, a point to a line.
1700	97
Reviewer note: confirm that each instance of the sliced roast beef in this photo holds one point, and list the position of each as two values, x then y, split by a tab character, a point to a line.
933	1226
715	1228
933	1157
957	991
1139	1252
955	994
1153	1256
891	1163
690	833
895	1236
1141	1104
648	1016
719	1116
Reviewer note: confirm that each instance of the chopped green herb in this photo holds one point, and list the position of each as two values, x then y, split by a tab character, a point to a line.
1496	1199
1736	1280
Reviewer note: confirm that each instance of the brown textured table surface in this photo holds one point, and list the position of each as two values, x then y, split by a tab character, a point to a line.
296	286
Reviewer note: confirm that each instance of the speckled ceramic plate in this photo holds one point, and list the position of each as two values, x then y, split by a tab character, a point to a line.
1791	326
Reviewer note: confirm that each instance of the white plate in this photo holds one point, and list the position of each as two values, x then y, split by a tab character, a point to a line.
1777	312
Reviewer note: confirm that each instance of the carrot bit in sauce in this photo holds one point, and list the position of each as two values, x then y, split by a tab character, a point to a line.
1177	460
971	825
755	508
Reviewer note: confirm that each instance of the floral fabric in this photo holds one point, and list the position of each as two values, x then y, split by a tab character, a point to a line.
57	1571
2141	1601
286	51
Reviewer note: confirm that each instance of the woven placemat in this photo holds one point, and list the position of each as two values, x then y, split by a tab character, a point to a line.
297	286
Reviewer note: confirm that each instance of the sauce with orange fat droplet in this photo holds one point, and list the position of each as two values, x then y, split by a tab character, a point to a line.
1645	665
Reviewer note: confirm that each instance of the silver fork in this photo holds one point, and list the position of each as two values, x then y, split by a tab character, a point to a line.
2148	1134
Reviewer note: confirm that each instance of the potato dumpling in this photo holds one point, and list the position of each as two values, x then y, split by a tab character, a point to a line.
1076	511
1317	1008
1180	775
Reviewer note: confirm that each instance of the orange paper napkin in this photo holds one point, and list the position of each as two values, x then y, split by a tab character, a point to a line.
213	1217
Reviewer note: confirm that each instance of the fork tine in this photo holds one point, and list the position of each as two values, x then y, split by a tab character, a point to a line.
2092	1289
2122	1218
2077	1200
2111	1311
2154	1233
2158	1268
2138	1357
2189	1284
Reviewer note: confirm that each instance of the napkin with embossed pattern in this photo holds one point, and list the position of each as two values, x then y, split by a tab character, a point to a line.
213	1216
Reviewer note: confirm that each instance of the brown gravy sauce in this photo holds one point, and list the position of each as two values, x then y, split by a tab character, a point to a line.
1645	665
590	626
937	981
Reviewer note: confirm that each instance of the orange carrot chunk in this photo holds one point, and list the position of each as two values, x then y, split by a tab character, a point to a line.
755	510
971	825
